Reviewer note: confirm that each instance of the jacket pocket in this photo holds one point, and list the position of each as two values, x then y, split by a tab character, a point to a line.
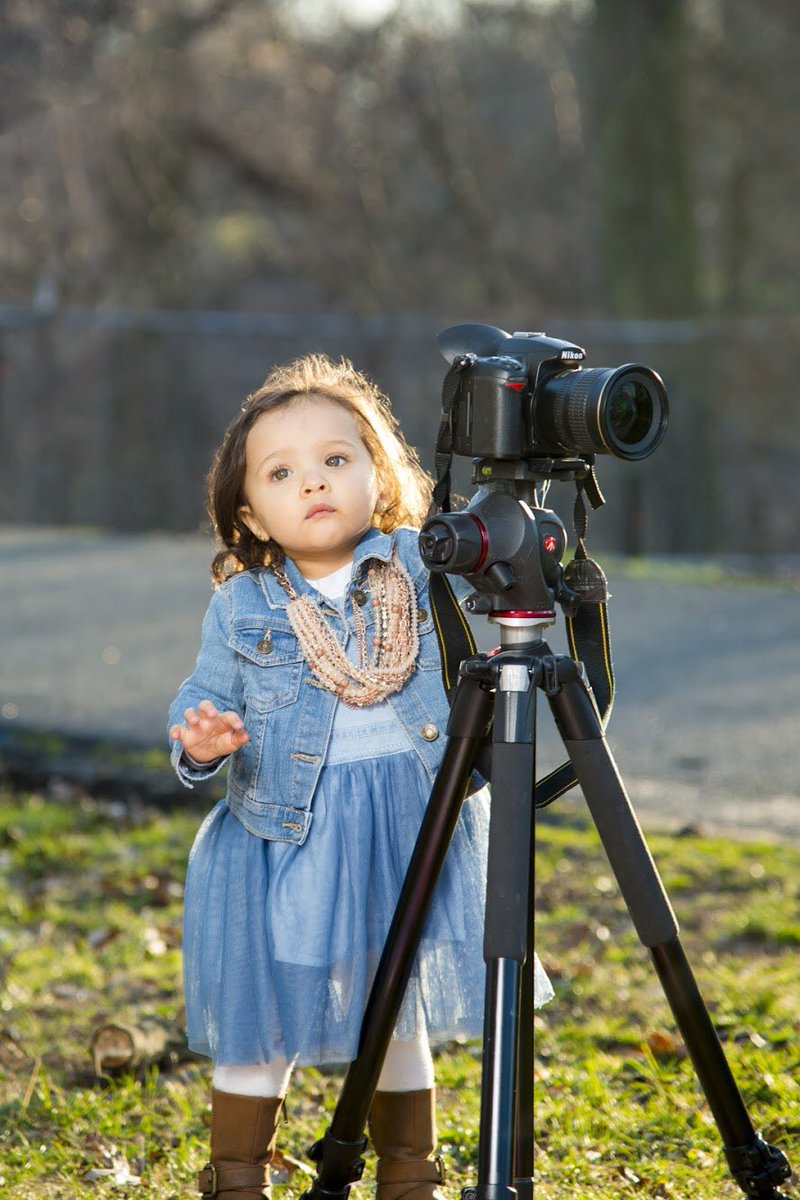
271	664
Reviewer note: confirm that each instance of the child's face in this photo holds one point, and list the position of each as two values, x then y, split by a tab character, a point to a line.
310	483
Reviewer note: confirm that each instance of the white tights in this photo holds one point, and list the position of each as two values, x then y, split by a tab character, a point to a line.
408	1067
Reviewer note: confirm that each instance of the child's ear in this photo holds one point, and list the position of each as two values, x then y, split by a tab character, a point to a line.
248	517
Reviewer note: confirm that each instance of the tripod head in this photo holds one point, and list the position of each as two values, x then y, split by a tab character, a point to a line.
509	550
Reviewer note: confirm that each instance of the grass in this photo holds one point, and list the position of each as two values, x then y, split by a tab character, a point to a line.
90	906
702	571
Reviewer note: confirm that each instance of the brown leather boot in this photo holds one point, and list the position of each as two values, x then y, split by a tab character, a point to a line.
244	1130
402	1126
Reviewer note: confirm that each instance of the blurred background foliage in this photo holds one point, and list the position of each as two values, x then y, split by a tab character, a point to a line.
194	189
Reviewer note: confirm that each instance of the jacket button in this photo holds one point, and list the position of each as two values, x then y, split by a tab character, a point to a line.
429	732
265	645
422	614
360	597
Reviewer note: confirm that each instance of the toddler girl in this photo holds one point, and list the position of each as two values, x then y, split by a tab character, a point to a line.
319	678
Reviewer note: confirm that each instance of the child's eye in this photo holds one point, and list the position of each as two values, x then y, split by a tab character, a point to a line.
336	460
279	473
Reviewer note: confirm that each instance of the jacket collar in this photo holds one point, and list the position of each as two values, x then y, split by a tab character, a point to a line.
373	544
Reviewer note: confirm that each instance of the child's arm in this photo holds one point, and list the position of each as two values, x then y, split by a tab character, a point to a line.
205	719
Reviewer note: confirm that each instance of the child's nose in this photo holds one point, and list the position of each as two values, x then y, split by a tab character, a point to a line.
314	481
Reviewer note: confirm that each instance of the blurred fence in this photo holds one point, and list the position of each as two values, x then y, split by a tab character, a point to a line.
109	417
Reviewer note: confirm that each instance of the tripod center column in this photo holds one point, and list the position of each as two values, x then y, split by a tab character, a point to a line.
506	928
510	826
513	720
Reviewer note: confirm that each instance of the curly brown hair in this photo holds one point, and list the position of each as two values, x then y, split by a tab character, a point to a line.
404	486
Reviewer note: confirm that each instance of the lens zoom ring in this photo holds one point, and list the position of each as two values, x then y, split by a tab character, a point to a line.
572	418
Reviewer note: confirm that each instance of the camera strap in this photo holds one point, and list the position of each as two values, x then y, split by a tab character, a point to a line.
443	456
452	630
587	636
456	643
589	642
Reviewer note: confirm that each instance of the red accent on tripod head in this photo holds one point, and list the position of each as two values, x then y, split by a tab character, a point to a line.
538	614
484	541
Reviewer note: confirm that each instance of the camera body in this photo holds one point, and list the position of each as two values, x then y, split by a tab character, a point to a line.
526	410
525	394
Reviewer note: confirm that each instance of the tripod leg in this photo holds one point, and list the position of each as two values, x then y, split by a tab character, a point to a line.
523	1167
337	1153
757	1167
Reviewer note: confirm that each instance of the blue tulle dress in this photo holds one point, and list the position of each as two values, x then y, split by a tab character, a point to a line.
281	941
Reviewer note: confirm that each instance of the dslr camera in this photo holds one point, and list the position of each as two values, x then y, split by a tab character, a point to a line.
526	395
525	410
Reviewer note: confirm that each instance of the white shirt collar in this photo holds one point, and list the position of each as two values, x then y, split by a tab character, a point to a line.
333	586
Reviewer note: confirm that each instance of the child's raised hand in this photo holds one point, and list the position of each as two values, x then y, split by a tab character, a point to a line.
209	734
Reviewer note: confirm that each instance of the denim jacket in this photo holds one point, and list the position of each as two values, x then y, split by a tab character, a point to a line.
250	662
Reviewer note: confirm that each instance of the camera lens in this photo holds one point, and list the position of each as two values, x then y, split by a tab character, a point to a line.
602	410
629	412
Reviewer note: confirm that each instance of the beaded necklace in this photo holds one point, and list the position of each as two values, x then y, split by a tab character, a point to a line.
395	642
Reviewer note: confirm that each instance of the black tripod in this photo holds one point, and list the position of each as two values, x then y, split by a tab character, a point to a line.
499	690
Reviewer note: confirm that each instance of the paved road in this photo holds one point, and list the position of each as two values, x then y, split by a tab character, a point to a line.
98	631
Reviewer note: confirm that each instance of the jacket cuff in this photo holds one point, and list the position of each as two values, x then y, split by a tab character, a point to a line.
188	770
